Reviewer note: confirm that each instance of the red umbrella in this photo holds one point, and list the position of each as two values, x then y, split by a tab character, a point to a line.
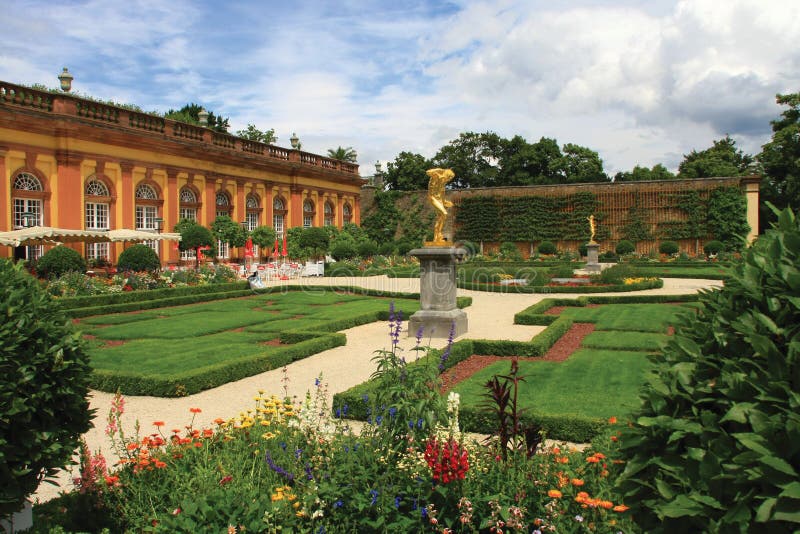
283	252
248	248
276	251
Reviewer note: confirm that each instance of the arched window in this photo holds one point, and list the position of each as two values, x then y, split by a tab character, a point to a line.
188	204
308	214
223	204
147	211
347	213
97	210
278	216
327	211
27	197
253	211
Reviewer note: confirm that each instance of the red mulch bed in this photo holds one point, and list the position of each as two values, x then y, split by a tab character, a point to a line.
556	310
560	351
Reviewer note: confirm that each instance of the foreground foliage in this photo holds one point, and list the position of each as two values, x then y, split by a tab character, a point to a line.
43	387
716	444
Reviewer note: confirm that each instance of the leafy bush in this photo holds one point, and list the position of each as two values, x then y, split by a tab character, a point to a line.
59	261
43	387
712	248
625	247
344	249
547	247
715	446
668	247
609	256
138	258
510	252
367	249
616	274
583	250
387	249
562	271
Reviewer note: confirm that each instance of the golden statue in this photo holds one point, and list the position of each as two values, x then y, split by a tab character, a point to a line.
438	179
592	229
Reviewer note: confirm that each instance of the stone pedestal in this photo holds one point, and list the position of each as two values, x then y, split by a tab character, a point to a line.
592	258
437	293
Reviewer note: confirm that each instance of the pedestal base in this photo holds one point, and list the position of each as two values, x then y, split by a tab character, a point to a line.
437	324
592	258
437	293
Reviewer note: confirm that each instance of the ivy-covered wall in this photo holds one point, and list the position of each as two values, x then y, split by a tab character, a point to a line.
691	212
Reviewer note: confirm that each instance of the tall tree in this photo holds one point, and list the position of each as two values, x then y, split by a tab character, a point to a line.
343	154
190	114
579	164
407	172
722	159
473	157
254	134
639	174
780	159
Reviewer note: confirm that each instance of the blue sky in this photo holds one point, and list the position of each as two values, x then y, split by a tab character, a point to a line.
641	82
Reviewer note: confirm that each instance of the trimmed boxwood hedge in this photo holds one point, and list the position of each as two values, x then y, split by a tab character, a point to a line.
568	427
179	385
68	303
618	288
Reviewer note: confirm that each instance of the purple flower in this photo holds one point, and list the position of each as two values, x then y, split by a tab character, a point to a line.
374	494
278	469
419	334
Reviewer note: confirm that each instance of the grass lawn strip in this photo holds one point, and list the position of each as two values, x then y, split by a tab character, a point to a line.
166	348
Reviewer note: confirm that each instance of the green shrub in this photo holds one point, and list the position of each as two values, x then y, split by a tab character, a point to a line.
562	271
583	250
547	247
387	249
342	268
367	249
59	261
138	258
715	446
625	247
510	252
616	274
713	248
43	387
344	249
668	247
404	246
609	256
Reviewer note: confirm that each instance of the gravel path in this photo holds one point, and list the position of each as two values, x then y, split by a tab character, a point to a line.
490	316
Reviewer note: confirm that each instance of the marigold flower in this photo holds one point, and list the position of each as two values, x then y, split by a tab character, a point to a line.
577	482
620	508
159	464
606	504
554	494
158	423
195	410
219	421
612	420
207	433
562	459
593	459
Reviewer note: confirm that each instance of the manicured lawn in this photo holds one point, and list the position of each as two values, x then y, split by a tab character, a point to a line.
187	341
709	272
591	383
630	317
600	379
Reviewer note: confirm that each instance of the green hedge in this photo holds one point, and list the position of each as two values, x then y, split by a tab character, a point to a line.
179	385
618	288
534	315
68	303
149	304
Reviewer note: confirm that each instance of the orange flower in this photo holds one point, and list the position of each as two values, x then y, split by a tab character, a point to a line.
600	455
198	444
582	497
158	423
577	482
606	504
614	438
556	450
160	465
562	459
176	430
612	420
195	410
207	433
219	421
620	508
593	459
132	446
554	494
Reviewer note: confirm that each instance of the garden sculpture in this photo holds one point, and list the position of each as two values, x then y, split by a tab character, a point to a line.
592	229
438	179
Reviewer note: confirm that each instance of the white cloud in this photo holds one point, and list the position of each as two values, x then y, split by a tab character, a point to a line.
639	81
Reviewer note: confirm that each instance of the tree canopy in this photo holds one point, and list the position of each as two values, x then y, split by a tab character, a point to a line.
252	133
639	174
722	159
343	154
780	159
190	114
407	172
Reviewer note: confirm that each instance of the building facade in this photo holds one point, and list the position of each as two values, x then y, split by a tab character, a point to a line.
69	162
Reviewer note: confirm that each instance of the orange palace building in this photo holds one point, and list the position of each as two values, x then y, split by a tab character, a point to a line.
68	162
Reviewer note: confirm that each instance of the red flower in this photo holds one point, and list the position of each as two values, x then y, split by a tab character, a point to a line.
448	460
195	410
226	479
